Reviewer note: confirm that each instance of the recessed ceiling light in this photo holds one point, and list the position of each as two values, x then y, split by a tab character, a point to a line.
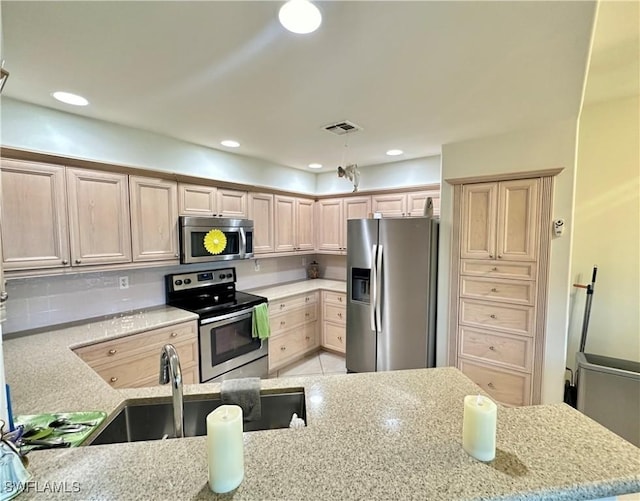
230	143
68	98
394	153
315	166
300	16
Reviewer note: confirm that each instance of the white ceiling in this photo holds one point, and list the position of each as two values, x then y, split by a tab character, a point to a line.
414	75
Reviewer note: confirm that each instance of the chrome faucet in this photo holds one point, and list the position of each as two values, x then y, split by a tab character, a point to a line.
170	371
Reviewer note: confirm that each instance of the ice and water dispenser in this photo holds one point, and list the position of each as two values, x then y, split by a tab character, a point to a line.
360	280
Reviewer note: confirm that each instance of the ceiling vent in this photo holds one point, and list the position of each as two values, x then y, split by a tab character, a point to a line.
342	128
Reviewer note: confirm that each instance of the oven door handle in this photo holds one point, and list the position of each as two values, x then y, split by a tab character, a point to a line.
247	312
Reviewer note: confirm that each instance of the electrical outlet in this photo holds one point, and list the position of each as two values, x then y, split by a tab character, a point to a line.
124	282
304	262
256	265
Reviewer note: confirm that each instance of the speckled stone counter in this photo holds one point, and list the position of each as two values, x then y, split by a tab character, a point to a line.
291	289
394	435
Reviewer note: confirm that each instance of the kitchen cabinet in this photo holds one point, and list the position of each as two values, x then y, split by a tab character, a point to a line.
201	200
261	213
409	204
154	215
59	217
498	280
334	321
3	291
294	329
332	217
133	361
99	224
294	230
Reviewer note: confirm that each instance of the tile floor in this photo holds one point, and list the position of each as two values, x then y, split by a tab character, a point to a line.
317	364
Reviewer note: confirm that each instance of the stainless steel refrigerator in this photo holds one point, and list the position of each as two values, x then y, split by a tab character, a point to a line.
391	293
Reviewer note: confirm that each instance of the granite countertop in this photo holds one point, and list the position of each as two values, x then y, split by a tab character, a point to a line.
277	292
391	435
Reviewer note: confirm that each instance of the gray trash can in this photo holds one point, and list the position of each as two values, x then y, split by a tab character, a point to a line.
609	393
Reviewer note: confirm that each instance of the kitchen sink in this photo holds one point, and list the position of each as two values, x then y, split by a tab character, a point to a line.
153	421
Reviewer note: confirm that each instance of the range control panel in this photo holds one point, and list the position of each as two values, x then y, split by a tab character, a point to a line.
184	281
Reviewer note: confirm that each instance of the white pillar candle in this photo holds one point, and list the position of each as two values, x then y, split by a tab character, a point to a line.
479	427
225	449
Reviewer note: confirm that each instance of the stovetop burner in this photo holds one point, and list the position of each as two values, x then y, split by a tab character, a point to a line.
208	293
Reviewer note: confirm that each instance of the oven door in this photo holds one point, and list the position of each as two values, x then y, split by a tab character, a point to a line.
226	344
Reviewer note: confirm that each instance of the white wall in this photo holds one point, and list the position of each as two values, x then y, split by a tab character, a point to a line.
30	127
425	170
547	147
38	302
607	230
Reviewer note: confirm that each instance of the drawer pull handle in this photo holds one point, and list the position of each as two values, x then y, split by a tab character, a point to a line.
307	338
492	316
340	298
113	352
113	379
306	315
492	348
494	290
306	299
490	385
282	306
495	268
174	334
282	348
282	322
339	315
340	338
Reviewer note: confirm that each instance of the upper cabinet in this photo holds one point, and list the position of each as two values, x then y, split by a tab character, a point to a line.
154	215
200	200
405	204
501	219
293	224
99	226
35	233
333	214
261	212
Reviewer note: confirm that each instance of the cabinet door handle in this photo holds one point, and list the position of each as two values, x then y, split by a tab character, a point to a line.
490	385
113	352
491	256
113	379
307	338
176	255
340	299
494	290
340	338
282	322
492	316
339	315
492	348
282	348
306	315
499	256
495	268
65	261
78	261
174	334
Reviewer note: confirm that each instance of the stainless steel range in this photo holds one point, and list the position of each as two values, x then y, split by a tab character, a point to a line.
227	348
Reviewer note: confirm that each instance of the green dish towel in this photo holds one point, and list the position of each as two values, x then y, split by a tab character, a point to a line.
260	322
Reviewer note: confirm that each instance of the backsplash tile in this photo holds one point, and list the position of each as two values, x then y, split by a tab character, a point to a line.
42	301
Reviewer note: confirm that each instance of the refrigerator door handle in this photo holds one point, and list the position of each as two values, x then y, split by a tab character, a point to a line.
374	288
378	294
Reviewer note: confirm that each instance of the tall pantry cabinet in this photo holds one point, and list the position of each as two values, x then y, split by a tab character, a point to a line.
501	236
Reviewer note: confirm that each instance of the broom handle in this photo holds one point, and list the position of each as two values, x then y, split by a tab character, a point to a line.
587	308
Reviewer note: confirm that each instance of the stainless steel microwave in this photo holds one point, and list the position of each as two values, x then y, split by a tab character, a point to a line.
205	239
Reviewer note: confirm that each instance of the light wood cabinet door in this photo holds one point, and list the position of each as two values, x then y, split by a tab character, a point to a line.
518	220
231	203
479	212
392	205
285	220
99	226
354	208
154	215
330	225
261	212
34	216
416	201
305	234
196	200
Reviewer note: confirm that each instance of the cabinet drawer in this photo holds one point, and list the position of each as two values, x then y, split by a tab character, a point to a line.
498	269
508	387
309	336
115	350
283	348
512	291
334	297
291	303
334	337
514	319
292	318
128	372
335	313
190	375
503	349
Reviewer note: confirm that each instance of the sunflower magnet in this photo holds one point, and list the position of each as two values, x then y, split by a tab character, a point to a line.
215	241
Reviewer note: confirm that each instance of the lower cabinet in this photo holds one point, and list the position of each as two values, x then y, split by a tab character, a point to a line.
294	329
334	321
133	361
